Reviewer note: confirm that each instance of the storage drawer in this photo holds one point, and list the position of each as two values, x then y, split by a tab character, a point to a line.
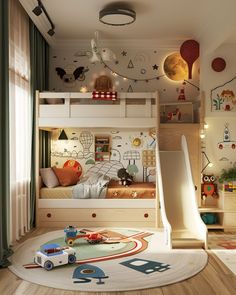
230	203
72	215
230	219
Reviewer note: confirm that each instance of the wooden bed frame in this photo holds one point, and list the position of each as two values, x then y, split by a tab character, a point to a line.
133	110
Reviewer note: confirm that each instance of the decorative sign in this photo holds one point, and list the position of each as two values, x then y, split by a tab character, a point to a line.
104	95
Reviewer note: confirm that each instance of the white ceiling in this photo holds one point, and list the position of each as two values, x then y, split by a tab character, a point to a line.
210	22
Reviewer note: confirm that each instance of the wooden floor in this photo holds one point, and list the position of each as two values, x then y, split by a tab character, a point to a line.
214	279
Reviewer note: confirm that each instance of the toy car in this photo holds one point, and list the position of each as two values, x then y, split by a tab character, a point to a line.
72	234
52	255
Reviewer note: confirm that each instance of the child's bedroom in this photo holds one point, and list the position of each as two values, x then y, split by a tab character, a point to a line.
118	141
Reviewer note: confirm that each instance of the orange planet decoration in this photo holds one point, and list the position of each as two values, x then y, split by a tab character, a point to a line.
74	165
175	67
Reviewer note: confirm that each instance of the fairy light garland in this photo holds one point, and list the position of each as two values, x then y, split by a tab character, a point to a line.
115	73
129	78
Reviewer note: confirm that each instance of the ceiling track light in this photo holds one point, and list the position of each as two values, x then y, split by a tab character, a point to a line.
38	11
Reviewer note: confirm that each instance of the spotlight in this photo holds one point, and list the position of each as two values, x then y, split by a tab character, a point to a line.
37	10
51	32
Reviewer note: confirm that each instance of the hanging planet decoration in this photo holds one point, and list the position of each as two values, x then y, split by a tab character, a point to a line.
175	67
189	51
218	64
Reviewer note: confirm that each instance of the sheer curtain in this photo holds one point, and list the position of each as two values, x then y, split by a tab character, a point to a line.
20	120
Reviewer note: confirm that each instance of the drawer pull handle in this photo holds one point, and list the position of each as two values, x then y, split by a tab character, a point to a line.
146	215
49	215
94	215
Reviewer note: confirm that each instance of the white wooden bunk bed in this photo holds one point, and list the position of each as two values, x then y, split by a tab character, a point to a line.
131	110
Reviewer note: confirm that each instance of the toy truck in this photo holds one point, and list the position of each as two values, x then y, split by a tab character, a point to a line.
72	234
52	255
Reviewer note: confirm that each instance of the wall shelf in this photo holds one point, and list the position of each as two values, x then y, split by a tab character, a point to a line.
102	148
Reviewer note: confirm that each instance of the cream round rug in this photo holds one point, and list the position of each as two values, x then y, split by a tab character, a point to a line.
127	259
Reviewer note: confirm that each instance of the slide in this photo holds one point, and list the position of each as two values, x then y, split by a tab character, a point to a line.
182	223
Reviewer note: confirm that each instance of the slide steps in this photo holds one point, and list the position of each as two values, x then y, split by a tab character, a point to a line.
184	239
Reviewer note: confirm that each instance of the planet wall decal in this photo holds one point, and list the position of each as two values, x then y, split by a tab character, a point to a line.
218	64
175	67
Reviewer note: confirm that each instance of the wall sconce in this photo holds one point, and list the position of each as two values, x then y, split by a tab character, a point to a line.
202	134
38	11
208	164
205	125
62	135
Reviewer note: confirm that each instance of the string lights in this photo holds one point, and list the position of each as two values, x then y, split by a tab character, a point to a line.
135	80
115	74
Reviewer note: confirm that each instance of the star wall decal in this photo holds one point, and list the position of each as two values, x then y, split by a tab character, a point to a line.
155	67
124	53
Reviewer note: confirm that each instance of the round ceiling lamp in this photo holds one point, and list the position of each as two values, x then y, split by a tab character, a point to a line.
117	16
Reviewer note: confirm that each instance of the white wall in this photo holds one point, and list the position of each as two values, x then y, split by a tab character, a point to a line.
209	79
143	61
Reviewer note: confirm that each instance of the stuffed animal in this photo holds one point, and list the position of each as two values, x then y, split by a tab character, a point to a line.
209	188
125	178
103	83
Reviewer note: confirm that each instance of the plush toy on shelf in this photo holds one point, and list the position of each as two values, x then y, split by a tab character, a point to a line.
125	178
209	187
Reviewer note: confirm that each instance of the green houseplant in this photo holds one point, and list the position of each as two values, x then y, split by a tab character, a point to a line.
228	179
228	175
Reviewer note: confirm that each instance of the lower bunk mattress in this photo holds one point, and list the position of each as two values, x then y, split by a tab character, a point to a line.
137	190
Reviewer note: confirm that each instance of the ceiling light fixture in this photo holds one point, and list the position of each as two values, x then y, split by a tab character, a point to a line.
38	11
117	16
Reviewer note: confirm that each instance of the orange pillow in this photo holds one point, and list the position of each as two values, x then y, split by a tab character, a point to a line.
66	176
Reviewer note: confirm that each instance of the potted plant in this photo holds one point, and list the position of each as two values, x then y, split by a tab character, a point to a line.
228	179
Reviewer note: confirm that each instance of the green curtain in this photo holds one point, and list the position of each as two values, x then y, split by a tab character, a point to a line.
39	63
45	149
4	136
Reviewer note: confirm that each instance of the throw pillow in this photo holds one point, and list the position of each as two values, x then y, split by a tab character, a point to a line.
49	178
66	176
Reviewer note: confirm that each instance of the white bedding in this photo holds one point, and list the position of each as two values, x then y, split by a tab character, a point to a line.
93	186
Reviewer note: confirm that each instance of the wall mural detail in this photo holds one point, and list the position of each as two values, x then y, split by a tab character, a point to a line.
227	142
86	140
126	149
223	97
69	76
142	67
130	65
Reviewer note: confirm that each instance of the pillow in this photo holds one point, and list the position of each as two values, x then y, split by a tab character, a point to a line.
66	176
48	177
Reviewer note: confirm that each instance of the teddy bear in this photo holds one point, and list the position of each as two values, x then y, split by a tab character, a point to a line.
125	178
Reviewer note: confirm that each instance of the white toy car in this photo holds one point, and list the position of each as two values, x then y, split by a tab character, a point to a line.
52	255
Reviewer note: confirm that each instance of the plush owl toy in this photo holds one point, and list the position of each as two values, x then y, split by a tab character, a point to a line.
208	187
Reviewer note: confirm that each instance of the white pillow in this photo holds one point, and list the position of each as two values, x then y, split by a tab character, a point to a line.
49	177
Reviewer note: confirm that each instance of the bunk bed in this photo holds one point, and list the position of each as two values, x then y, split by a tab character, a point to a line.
65	110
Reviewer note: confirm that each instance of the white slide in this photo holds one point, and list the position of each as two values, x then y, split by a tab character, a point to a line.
182	223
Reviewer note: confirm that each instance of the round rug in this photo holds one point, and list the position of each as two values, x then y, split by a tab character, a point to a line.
127	259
